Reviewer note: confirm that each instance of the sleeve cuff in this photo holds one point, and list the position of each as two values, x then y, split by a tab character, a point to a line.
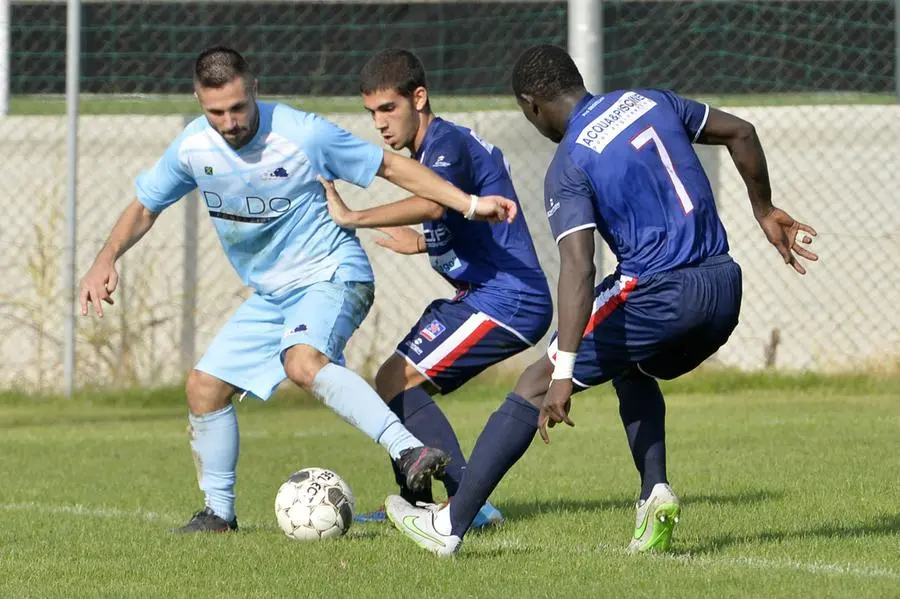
574	229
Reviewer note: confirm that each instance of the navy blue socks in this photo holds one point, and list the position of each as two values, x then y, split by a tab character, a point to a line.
643	413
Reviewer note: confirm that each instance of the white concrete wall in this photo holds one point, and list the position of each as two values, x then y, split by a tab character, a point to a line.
832	166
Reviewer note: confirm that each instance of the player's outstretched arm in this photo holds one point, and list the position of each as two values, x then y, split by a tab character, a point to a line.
101	279
746	150
575	297
413	177
409	211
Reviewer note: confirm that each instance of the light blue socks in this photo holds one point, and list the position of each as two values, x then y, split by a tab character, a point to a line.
351	397
215	443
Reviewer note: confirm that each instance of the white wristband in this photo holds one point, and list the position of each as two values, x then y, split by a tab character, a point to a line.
565	365
474	204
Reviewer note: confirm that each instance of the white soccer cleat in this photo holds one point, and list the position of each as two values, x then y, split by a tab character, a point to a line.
656	520
429	528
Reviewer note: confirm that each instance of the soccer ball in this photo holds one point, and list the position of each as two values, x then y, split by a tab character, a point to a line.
314	504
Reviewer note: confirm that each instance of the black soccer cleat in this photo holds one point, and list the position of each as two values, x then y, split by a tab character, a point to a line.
419	464
206	521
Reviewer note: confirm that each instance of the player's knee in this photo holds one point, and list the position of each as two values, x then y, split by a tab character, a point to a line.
302	363
390	379
205	393
383	383
635	386
633	374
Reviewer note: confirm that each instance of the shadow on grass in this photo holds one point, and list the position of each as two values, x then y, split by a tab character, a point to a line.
515	510
882	527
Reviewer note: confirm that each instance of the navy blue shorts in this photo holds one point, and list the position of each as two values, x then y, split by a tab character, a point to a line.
666	324
454	341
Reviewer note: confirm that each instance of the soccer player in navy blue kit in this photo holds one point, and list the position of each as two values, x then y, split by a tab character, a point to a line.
502	304
626	168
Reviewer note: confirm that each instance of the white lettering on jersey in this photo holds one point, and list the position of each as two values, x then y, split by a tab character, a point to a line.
624	112
554	206
437	234
438	237
445	263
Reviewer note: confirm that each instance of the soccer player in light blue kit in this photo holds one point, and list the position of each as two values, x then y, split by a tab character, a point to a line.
256	165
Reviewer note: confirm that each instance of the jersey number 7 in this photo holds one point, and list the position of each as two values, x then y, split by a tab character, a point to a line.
649	135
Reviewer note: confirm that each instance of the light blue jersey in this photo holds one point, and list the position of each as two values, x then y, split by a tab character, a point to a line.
268	209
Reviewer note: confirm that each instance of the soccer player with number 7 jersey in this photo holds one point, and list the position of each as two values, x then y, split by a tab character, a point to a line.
625	168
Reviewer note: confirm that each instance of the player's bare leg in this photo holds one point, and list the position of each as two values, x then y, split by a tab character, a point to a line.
206	393
535	381
353	399
215	444
397	375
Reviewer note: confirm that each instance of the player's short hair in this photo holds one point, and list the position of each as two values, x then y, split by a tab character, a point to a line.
393	68
545	71
218	65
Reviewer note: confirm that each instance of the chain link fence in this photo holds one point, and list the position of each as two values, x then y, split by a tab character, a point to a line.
817	79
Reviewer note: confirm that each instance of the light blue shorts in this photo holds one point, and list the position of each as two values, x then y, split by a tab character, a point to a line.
247	351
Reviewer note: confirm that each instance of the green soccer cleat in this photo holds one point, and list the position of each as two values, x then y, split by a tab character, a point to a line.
656	519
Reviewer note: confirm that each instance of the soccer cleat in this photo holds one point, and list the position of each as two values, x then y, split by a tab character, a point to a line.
368	517
206	521
487	516
420	464
418	523
656	519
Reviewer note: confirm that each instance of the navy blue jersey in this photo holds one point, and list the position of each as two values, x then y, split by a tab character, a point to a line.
498	261
627	167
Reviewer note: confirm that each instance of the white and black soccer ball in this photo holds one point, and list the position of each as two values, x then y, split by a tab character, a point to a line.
314	504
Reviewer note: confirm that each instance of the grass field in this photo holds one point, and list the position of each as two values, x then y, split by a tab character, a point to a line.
789	488
186	104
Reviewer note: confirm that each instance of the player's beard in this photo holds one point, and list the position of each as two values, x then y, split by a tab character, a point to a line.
239	137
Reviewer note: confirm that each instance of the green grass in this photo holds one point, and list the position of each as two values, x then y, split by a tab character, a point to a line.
186	104
786	483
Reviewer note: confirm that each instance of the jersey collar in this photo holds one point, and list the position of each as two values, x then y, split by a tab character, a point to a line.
579	108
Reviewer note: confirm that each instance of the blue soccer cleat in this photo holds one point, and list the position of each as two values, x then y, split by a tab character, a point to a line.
487	516
377	516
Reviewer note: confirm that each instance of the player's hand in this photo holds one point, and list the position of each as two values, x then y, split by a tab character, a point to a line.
784	233
403	240
98	285
496	209
338	210
556	407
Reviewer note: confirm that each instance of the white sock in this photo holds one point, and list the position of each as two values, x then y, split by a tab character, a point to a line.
442	522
